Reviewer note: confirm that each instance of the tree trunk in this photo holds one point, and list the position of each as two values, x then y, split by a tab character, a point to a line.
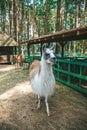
10	17
3	15
46	20
14	20
27	18
85	11
58	15
33	23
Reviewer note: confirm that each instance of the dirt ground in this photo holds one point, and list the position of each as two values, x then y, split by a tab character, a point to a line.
18	105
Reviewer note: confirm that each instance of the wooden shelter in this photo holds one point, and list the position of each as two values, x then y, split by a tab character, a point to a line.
61	36
7	47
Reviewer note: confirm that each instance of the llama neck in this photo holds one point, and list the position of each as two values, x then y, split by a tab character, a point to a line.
45	68
23	54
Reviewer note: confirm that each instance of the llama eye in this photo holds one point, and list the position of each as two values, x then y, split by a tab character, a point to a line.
47	55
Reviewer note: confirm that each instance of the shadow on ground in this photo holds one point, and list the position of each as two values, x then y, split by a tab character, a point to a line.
18	106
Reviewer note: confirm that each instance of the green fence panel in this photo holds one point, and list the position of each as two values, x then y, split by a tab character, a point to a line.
69	72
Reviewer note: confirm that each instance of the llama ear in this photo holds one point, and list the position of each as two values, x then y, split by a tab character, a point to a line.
52	46
44	47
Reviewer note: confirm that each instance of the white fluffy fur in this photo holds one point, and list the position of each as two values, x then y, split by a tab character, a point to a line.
43	84
43	81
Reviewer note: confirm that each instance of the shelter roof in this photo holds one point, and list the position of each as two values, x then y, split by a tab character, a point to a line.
6	40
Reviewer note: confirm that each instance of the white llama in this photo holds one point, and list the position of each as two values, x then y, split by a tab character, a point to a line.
41	76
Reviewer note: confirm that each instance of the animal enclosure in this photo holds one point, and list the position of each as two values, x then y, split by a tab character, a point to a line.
25	25
18	111
71	71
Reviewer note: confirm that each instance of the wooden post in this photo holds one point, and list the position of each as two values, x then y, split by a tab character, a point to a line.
62	50
63	44
28	49
41	48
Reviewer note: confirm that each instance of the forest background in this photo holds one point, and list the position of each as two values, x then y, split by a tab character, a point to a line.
27	19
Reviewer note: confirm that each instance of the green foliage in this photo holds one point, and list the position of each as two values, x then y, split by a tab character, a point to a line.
31	17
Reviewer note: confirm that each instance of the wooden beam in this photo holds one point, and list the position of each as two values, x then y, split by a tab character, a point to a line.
68	35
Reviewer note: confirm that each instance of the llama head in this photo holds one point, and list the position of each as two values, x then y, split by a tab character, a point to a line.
23	48
48	54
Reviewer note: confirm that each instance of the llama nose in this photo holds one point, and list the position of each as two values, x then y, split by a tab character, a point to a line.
53	60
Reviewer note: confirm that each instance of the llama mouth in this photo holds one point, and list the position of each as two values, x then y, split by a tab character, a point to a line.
53	60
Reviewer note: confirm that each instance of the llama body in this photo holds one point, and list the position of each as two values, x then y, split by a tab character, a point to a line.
42	78
19	58
43	82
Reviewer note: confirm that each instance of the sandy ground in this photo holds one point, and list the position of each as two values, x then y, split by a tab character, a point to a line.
18	105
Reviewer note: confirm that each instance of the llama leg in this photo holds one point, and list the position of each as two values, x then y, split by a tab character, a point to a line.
47	106
38	105
16	65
